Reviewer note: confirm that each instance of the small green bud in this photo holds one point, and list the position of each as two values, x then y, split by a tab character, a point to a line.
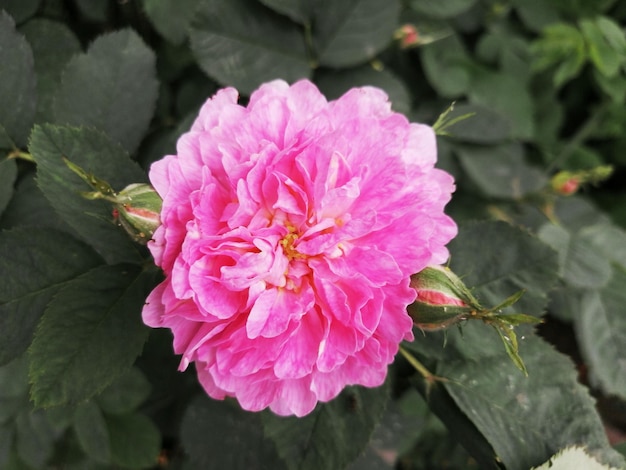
442	299
137	209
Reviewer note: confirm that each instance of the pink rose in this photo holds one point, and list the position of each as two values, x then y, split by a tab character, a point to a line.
290	229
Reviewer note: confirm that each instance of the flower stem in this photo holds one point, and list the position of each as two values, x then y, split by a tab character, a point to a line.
23	155
428	376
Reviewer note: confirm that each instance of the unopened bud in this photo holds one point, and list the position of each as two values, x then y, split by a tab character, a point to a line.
565	183
442	298
137	209
407	35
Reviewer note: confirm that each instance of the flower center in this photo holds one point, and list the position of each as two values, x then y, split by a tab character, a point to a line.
287	243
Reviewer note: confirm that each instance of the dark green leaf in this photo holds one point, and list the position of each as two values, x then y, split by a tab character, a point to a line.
95	10
608	240
92	432
297	10
439	9
536	14
601	332
445	64
20	10
334	83
34	264
483	126
514	261
219	435
537	416
243	44
171	18
500	171
112	87
135	440
8	174
333	435
6	444
95	153
30	208
582	265
34	438
53	45
125	394
525	419
495	90
351	32
18	96
90	334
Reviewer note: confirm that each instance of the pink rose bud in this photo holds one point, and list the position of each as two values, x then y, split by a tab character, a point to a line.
408	36
565	183
137	210
442	298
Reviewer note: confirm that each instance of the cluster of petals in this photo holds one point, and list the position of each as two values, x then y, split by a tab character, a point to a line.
290	229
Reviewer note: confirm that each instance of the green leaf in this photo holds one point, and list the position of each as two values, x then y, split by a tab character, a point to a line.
560	45
125	394
524	419
351	32
92	432
135	440
29	208
439	9
18	96
171	18
500	171
34	265
333	435
445	64
243	44
536	14
94	10
608	240
493	90
515	261
483	126
601	332
582	266
90	334
8	175
53	45
95	153
297	10
573	458
603	55
219	435
13	392
34	439
112	87
20	10
334	83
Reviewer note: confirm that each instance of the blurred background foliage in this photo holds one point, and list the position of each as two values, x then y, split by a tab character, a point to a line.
541	88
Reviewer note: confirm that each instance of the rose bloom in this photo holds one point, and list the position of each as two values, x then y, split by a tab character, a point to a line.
290	229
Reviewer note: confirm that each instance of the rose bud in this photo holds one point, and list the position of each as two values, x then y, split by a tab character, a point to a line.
137	210
442	299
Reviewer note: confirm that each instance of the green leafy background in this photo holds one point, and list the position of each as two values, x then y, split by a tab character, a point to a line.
112	85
